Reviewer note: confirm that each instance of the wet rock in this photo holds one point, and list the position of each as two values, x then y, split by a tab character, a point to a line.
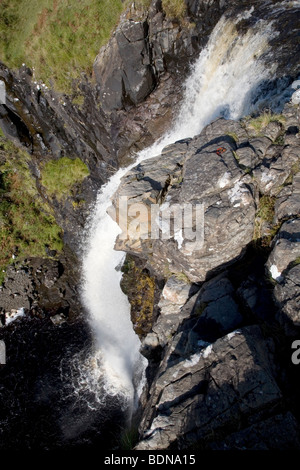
41	286
17	290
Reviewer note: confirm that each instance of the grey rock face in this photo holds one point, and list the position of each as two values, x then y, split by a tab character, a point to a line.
214	387
191	173
286	248
288	200
145	46
205	362
17	290
123	69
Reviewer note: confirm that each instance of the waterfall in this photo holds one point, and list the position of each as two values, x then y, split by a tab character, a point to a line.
221	83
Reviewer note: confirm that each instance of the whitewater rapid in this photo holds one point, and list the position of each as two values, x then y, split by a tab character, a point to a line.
221	83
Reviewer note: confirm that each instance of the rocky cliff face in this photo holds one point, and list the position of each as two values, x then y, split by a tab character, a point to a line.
161	48
220	350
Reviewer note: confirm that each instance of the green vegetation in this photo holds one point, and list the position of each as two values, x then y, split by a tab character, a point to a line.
296	262
259	123
59	38
266	208
59	176
265	214
129	437
174	8
27	225
78	100
234	136
139	286
181	277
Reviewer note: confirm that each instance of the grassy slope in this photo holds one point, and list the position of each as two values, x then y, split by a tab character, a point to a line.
27	224
59	38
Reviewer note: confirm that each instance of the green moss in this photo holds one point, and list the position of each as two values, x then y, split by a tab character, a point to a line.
234	136
78	100
296	262
182	277
60	176
59	38
265	214
27	225
266	208
139	286
235	156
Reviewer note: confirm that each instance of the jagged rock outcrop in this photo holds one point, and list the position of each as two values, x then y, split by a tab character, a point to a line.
213	378
148	44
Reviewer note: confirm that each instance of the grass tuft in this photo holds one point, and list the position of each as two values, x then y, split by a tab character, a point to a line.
174	8
259	123
59	176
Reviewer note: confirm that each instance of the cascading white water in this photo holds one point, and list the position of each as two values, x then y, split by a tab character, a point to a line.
226	72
